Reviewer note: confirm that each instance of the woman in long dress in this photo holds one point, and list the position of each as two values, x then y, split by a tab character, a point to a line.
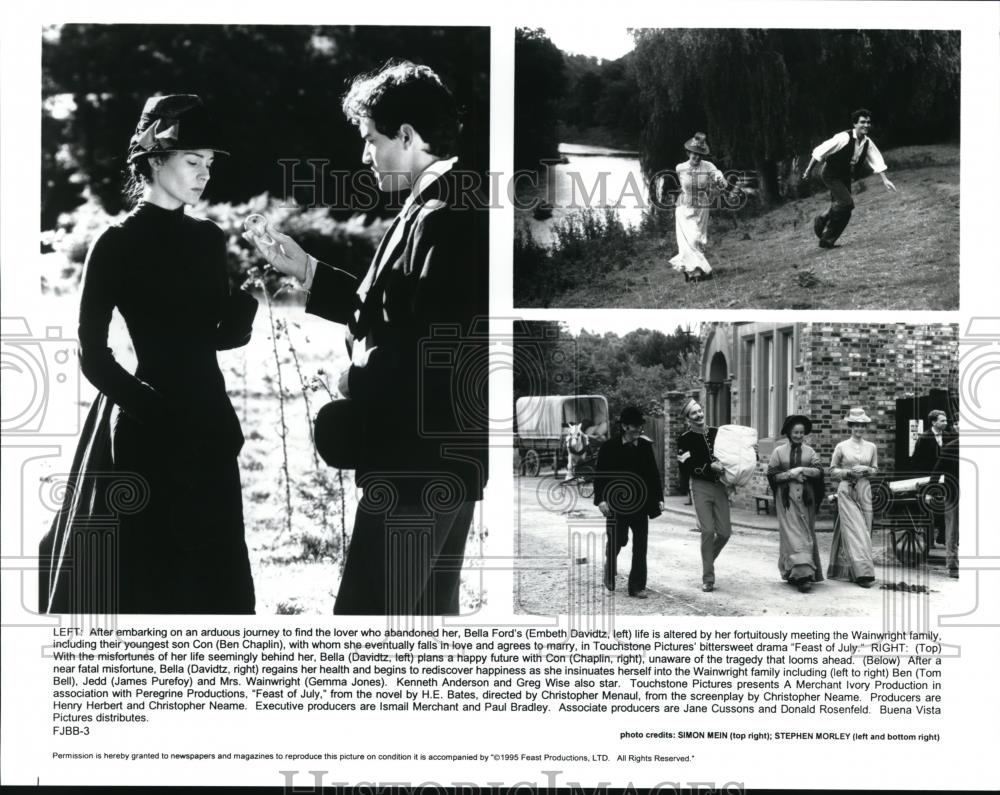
795	474
698	180
853	462
152	520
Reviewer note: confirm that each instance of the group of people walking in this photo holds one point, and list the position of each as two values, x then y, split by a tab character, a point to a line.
842	158
628	493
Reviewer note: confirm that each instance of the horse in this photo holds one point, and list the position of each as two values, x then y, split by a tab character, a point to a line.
577	447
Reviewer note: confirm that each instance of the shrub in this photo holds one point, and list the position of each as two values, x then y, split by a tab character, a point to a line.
534	283
65	247
348	244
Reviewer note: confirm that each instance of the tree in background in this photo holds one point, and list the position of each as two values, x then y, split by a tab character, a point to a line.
599	94
275	88
539	83
765	96
638	368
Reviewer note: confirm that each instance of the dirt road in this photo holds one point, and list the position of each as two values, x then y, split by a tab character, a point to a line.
560	540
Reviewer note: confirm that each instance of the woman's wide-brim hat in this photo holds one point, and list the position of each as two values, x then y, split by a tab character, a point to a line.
698	144
173	123
796	419
857	415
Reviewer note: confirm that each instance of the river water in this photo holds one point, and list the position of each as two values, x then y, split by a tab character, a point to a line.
592	176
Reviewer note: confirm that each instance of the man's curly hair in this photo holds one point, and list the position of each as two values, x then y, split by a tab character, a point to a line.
406	93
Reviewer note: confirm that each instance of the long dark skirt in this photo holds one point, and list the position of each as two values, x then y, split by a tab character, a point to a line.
149	524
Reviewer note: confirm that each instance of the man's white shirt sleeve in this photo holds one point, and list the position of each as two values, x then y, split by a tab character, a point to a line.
831	146
874	158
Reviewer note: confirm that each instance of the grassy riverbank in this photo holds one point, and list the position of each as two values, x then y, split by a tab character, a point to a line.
900	251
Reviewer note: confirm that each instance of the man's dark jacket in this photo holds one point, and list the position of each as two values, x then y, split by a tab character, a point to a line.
423	308
626	476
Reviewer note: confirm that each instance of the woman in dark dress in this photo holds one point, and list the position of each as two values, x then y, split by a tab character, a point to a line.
152	521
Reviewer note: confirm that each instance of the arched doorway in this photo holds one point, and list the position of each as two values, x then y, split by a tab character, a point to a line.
717	397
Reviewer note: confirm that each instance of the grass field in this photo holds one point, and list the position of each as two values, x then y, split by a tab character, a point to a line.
295	555
900	251
297	536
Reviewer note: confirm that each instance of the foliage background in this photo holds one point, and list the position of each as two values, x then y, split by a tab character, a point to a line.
763	96
638	368
274	90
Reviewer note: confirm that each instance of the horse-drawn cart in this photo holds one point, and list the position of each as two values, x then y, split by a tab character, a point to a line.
558	430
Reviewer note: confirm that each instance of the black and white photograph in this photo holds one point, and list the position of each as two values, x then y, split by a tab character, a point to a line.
737	168
470	397
799	468
261	191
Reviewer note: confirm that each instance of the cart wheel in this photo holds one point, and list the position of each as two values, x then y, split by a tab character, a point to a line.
910	547
531	464
585	488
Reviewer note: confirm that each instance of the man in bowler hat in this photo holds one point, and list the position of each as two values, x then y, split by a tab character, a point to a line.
628	491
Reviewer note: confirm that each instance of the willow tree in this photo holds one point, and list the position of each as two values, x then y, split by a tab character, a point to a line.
767	96
731	84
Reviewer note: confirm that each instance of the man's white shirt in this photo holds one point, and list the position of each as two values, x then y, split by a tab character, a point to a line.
833	145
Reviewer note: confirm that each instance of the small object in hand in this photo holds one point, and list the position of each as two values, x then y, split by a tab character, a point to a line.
256	225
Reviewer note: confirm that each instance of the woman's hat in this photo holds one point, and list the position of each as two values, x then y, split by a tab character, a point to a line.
796	419
171	123
857	415
698	144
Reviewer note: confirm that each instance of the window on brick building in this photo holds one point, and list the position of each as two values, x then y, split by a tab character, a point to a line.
783	394
748	382
765	423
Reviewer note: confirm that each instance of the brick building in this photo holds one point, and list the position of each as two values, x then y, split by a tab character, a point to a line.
758	373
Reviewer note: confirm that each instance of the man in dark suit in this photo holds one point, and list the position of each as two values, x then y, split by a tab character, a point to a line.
946	473
628	490
925	456
928	446
417	335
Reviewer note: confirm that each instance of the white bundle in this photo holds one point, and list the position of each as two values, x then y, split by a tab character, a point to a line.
735	450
